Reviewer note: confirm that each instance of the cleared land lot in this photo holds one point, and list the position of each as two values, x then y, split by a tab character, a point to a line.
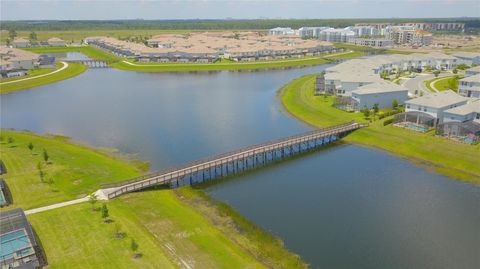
445	156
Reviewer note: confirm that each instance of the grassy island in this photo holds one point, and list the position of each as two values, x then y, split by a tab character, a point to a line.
172	227
445	156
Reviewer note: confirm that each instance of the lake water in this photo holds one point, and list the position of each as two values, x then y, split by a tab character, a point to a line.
345	207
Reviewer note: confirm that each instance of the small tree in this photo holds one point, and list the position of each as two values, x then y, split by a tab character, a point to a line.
455	71
33	36
30	147
45	156
436	73
12	34
92	199
105	214
10	140
366	112
134	248
394	104
375	110
41	173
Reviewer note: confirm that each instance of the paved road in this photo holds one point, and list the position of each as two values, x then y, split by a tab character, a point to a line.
417	83
65	65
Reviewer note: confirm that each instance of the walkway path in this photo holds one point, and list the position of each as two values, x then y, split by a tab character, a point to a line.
237	63
65	65
54	206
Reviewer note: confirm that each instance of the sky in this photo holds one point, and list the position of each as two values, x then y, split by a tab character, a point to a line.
236	9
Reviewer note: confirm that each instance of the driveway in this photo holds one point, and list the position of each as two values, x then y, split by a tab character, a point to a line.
417	83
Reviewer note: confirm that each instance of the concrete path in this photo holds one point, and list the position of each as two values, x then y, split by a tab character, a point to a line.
54	206
235	63
65	65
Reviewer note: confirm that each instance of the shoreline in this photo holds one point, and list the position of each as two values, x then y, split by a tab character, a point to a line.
369	137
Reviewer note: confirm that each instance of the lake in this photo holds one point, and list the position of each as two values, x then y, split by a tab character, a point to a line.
343	207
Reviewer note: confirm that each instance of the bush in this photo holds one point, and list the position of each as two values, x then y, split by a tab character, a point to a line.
389	113
387	122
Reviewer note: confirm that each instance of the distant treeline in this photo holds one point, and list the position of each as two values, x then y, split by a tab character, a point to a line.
259	24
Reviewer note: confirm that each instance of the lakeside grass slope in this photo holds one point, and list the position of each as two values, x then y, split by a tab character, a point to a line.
174	228
88	51
73	171
72	70
454	159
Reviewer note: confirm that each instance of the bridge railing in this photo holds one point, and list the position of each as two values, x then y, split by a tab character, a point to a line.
224	155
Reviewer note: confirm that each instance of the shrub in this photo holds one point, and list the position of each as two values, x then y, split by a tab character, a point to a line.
387	122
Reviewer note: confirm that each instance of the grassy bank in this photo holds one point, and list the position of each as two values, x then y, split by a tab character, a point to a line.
72	70
445	156
32	73
72	171
225	65
88	51
445	83
181	228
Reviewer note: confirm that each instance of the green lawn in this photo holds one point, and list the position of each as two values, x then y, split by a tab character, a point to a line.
88	51
72	70
450	83
445	156
75	171
169	232
32	73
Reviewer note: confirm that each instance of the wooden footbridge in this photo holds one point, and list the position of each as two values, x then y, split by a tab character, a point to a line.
93	63
232	162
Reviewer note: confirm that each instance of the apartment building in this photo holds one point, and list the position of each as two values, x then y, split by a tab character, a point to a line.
336	35
370	42
311	32
281	31
469	86
408	35
436	26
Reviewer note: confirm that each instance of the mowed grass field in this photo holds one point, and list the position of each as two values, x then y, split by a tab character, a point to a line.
72	70
170	234
72	172
454	159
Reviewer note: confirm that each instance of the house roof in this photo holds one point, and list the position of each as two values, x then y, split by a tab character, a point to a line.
438	99
55	39
468	55
20	40
466	109
380	87
474	78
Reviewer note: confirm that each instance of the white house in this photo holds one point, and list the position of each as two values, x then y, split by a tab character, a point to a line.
469	86
381	93
435	104
467	112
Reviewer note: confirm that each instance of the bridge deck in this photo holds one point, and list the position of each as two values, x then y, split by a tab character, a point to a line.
167	176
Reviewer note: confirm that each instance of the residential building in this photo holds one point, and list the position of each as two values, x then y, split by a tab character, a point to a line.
208	47
469	86
468	58
371	42
20	42
436	26
467	112
56	42
281	31
408	35
381	93
363	31
435	104
472	71
17	241
13	58
311	32
336	35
